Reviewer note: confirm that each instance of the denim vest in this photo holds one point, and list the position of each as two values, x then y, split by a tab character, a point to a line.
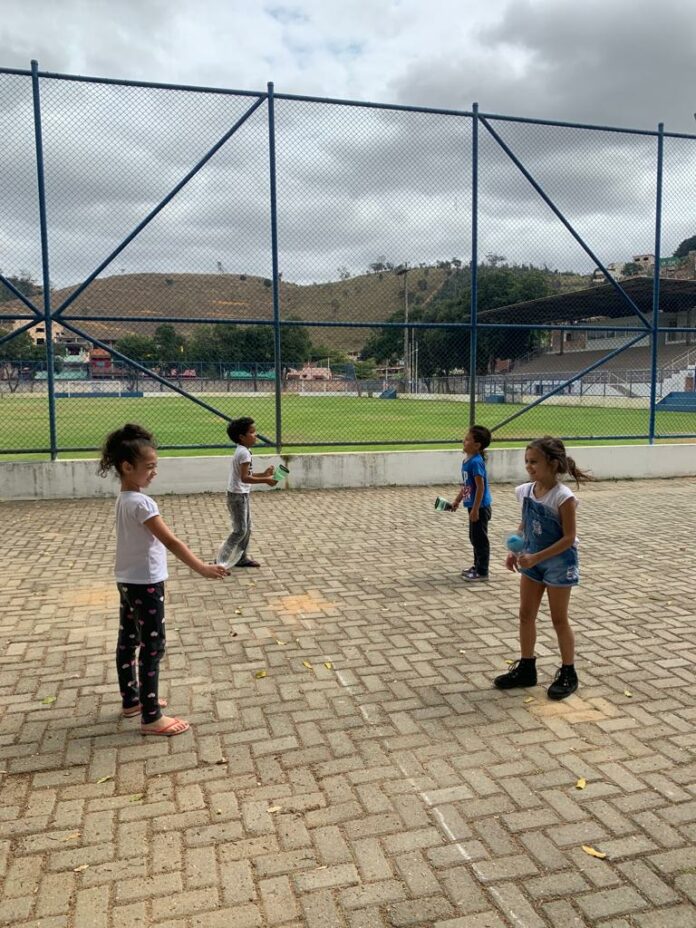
543	528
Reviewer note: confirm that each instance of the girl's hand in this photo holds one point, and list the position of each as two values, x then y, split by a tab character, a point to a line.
268	471
455	505
527	560
511	562
214	572
270	481
473	514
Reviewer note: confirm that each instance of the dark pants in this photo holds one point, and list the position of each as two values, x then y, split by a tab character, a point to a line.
141	626
478	536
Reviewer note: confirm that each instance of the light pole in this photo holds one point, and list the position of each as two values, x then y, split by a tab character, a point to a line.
402	271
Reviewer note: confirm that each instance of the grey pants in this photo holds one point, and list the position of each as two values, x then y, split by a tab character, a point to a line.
234	548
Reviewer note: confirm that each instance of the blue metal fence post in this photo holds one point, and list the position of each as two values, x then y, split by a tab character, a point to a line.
473	312
48	322
274	259
656	282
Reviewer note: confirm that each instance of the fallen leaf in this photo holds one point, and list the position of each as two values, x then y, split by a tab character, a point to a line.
237	611
593	852
72	837
81	868
462	651
136	797
109	776
323	867
273	809
307	665
628	693
328	665
260	674
529	699
218	811
221	760
581	784
48	700
509	662
278	641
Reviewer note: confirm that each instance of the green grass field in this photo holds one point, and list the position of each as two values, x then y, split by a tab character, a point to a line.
82	423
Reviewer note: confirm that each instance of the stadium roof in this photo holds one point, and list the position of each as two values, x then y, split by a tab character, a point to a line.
598	301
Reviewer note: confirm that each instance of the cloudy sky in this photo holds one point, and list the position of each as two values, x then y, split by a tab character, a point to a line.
353	184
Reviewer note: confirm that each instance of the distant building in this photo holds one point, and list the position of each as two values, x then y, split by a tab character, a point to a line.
310	372
74	345
644	261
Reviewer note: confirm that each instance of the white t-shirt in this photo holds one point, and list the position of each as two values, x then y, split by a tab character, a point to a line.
553	500
140	557
241	455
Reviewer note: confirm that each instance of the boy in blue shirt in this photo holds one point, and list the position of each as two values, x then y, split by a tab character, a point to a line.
476	496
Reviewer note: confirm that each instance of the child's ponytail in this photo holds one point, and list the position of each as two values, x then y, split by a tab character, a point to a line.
555	453
580	476
124	444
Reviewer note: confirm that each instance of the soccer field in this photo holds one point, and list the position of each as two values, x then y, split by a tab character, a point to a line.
331	421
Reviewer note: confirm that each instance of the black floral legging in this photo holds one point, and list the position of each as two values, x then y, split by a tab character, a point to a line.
141	626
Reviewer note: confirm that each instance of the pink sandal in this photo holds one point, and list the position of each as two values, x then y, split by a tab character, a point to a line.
167	731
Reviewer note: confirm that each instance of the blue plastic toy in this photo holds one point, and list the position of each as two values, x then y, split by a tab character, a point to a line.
515	543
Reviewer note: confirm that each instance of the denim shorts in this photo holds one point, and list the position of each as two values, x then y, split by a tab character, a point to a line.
561	570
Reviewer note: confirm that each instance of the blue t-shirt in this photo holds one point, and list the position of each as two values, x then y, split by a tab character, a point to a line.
473	467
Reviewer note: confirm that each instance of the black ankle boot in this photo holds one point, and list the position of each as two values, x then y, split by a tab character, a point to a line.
522	673
564	683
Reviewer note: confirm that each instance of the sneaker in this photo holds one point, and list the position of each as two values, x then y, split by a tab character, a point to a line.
247	562
564	683
522	673
472	575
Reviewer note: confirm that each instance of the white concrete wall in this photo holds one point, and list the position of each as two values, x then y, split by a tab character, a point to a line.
78	479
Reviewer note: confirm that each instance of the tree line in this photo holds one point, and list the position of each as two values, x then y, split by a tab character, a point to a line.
442	351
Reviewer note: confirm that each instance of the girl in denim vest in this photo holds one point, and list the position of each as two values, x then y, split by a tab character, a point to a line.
548	562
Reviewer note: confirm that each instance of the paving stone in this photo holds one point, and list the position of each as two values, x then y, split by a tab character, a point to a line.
395	787
184	903
681	916
649	883
92	908
611	902
320	910
278	898
488	919
420	911
513	904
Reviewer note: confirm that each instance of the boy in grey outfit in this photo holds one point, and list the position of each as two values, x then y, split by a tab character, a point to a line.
233	551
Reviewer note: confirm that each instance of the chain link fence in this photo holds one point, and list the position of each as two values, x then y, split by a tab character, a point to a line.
350	275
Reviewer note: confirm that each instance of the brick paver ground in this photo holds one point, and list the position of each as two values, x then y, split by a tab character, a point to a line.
373	777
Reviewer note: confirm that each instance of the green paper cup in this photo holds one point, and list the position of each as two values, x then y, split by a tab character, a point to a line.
442	505
280	473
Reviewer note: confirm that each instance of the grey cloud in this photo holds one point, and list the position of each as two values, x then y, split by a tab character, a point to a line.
618	63
353	184
622	62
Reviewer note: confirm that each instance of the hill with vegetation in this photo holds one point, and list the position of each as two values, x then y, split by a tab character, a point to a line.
438	292
373	297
